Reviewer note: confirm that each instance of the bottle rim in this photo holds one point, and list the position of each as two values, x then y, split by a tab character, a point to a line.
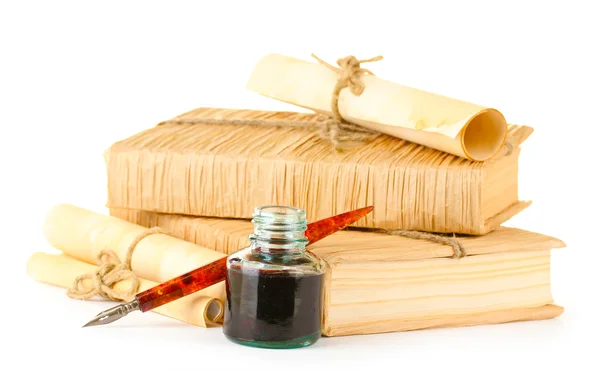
280	225
279	212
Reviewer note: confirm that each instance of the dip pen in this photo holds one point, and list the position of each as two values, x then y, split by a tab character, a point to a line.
212	273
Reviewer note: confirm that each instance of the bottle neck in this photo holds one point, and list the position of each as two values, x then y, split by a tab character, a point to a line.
279	230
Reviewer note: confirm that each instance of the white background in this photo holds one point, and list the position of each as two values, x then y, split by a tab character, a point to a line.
77	76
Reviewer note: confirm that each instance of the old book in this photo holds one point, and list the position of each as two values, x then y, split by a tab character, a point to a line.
381	283
225	169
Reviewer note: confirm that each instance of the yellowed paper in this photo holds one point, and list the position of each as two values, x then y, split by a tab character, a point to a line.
84	234
61	270
446	124
225	170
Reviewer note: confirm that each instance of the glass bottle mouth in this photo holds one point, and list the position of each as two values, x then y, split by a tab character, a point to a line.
280	225
279	217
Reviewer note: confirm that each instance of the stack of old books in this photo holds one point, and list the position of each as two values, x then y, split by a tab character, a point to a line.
200	175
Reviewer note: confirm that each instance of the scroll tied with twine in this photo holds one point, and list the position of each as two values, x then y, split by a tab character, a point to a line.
355	95
456	127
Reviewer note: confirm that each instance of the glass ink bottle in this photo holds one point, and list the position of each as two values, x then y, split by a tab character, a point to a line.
274	286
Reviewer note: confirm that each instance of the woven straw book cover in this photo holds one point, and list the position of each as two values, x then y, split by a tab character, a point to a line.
225	170
381	283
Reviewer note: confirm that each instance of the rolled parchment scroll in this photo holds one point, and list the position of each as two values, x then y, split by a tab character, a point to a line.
61	270
446	124
84	234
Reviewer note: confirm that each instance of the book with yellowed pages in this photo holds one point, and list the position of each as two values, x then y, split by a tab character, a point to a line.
215	162
382	283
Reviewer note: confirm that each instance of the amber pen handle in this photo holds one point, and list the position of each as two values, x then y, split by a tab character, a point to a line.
207	275
193	281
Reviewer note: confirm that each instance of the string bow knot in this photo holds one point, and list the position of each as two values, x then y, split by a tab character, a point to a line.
111	271
349	72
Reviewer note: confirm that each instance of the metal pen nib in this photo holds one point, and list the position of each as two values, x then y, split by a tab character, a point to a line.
114	313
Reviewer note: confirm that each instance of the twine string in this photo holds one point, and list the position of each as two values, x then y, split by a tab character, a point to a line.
338	133
111	272
459	249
